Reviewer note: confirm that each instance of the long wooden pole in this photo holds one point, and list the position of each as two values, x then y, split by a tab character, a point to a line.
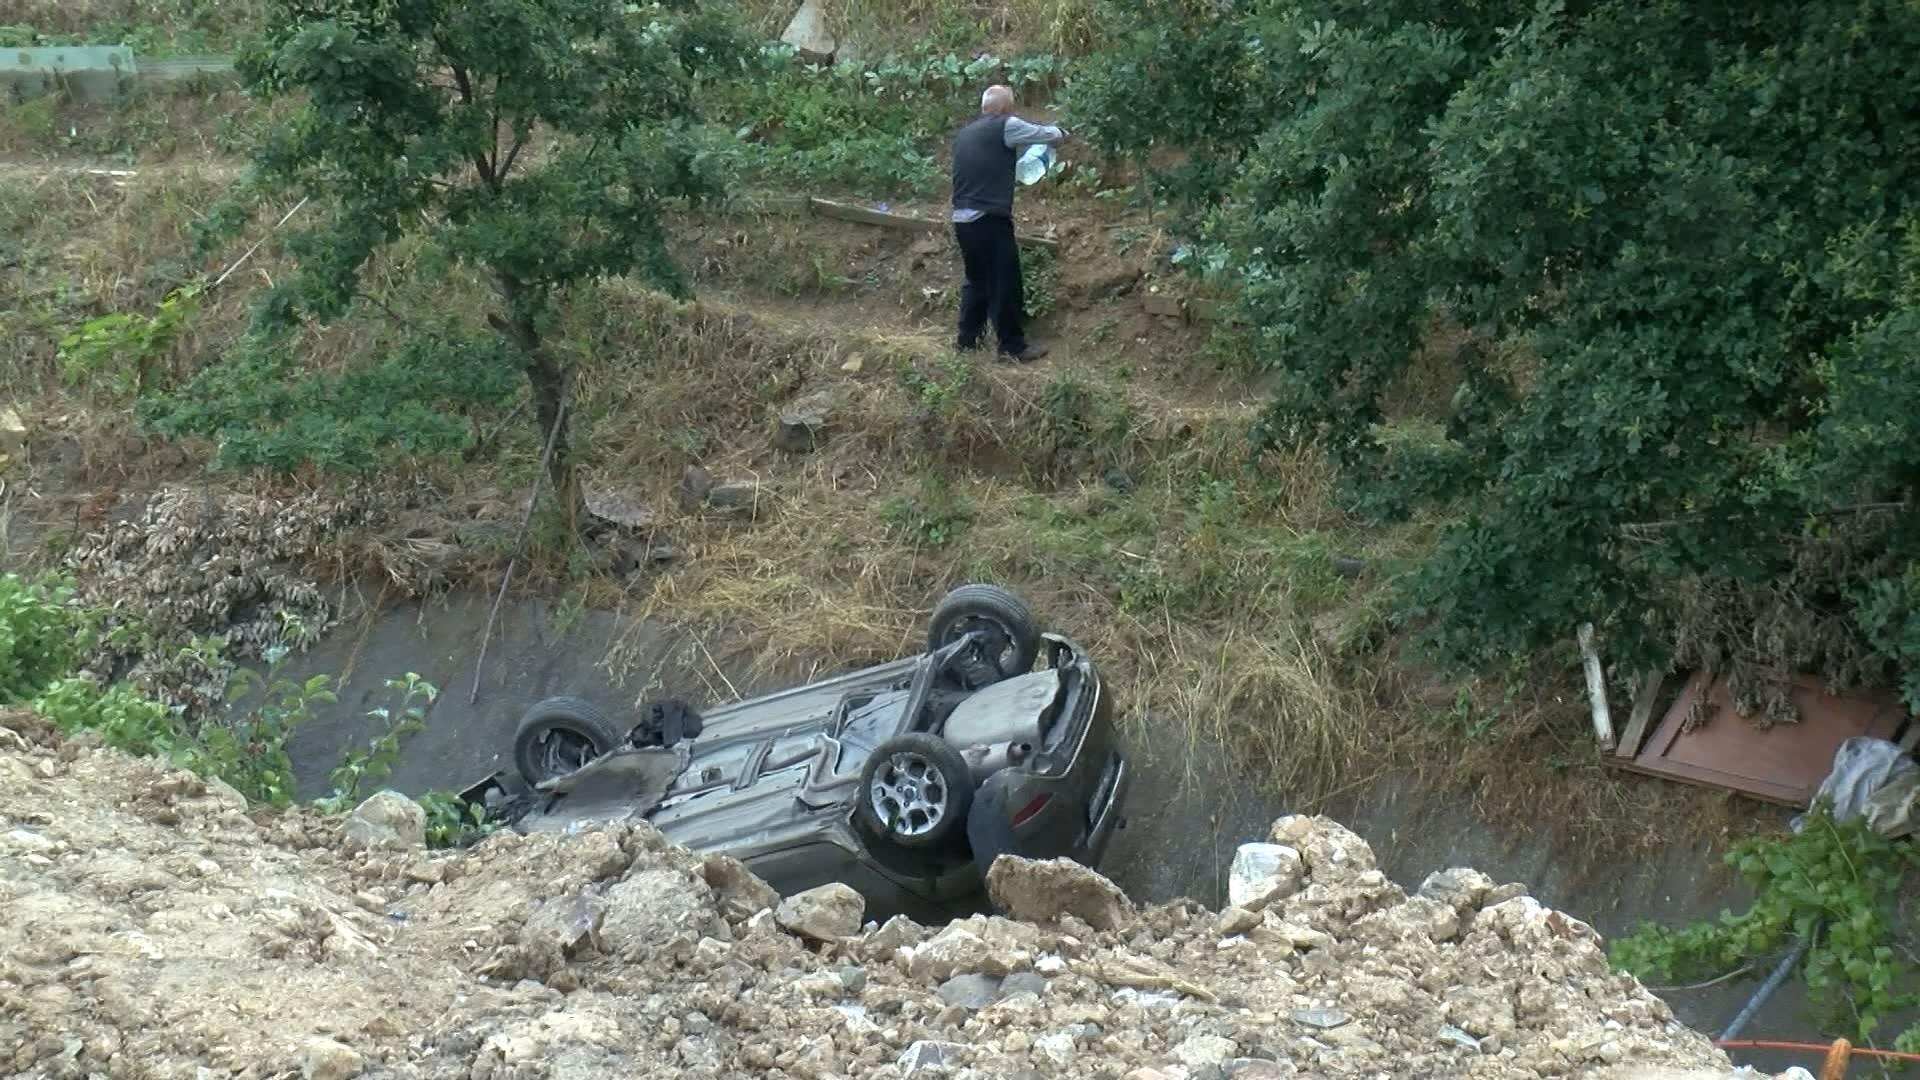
520	542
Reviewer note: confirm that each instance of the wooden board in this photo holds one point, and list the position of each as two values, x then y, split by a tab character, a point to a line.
888	220
1784	764
1642	715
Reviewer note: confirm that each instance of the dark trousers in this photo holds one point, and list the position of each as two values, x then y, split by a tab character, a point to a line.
993	289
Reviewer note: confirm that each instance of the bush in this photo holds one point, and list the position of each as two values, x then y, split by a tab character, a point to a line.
42	634
1837	884
1674	249
874	129
247	751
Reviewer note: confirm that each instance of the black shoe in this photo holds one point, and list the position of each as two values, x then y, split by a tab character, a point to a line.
1025	355
966	346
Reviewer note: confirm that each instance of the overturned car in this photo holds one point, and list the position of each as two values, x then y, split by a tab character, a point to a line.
904	780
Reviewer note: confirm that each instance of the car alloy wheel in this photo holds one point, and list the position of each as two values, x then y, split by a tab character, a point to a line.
909	794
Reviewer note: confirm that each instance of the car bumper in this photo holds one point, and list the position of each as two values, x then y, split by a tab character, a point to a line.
1070	801
1105	815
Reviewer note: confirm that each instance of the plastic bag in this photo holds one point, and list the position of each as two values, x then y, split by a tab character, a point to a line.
1034	164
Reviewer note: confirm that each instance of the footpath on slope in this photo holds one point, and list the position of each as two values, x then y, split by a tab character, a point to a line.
156	926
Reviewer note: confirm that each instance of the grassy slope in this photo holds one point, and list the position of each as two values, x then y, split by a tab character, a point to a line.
1110	483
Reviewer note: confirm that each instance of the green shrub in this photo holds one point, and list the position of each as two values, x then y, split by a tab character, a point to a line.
1837	884
1668	257
42	634
121	716
353	778
449	821
246	749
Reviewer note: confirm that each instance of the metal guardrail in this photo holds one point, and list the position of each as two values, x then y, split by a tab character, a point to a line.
94	73
184	67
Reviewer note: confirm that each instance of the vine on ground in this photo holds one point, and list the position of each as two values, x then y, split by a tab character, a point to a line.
44	632
1838	884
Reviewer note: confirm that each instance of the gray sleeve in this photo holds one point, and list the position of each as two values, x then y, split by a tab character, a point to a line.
1021	133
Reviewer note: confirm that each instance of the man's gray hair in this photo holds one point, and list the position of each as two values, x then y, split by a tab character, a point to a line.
997	98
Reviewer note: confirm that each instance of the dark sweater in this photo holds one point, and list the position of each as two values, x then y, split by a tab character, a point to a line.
983	167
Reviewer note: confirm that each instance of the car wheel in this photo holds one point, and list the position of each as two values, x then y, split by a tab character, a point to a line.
559	735
915	791
1012	633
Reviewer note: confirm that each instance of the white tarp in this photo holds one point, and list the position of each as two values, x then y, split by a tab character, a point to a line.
1876	780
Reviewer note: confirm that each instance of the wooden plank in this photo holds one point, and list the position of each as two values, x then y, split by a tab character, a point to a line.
1784	764
849	212
1642	714
885	219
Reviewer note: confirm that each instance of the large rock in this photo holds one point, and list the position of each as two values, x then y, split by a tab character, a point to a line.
566	927
1333	852
974	991
928	1056
808	32
827	913
387	821
1203	1051
740	893
1047	891
1263	873
325	1059
955	949
13	435
734	496
651	907
1459	888
618	510
695	484
803	423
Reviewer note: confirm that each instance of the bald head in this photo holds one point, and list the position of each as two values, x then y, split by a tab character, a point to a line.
997	100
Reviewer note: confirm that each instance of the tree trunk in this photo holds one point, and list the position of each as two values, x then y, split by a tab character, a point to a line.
549	385
549	392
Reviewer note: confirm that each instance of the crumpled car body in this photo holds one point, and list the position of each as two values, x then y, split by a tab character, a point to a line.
774	780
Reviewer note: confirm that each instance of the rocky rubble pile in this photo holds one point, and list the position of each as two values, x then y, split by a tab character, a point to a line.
157	926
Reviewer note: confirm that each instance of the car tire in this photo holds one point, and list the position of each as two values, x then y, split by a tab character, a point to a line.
1000	611
915	791
569	718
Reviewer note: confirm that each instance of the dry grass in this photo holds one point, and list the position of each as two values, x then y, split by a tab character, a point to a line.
213	21
1205	591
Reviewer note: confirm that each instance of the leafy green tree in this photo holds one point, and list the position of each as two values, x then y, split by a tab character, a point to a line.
1175	76
1678	241
535	145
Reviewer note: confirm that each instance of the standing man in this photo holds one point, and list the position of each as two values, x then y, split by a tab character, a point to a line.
984	153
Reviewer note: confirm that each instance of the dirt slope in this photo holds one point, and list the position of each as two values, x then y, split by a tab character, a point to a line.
155	927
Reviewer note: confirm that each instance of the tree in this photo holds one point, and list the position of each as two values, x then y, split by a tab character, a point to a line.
1679	243
534	144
